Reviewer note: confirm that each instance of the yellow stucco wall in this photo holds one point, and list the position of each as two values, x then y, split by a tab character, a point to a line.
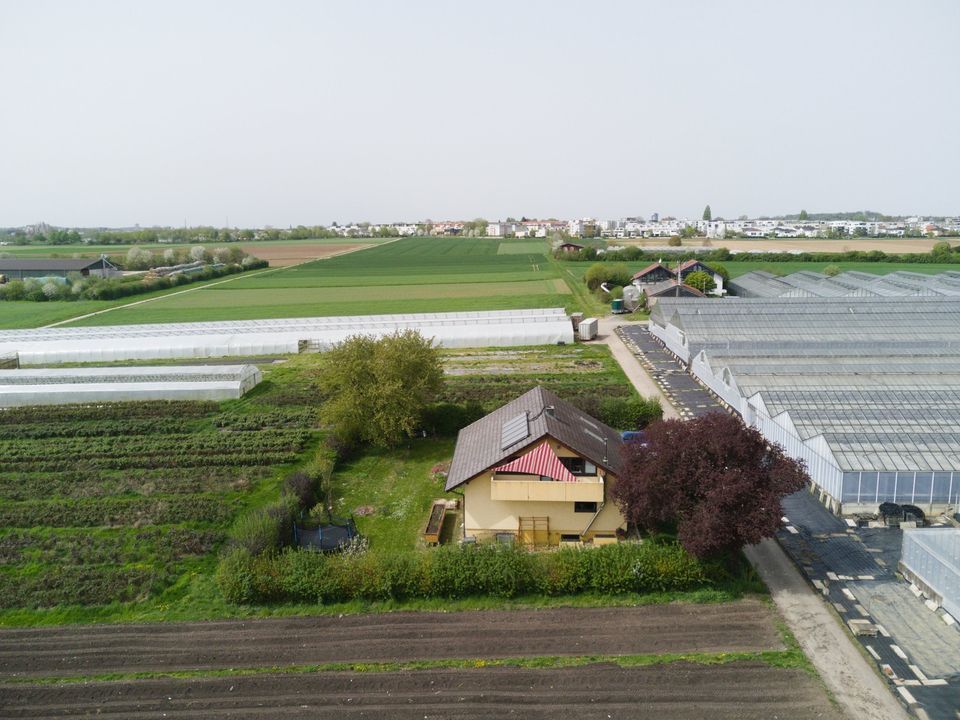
484	517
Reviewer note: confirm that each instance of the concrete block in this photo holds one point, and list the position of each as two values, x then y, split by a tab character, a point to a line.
863	628
931	605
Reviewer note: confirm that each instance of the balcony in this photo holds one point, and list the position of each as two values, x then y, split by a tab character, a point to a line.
585	489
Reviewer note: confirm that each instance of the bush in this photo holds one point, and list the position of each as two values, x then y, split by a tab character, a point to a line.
831	270
303	487
234	576
675	241
632	413
601	273
265	529
446	418
455	572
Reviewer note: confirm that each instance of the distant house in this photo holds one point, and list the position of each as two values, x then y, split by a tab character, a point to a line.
538	471
22	268
655	273
669	288
692	266
570	247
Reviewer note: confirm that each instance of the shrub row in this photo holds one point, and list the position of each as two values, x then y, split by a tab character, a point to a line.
722	254
454	572
113	288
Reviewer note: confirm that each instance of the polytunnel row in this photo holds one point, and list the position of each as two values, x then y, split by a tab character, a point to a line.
283	336
60	386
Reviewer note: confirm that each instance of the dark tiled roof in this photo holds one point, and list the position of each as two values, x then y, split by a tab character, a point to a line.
478	445
61	264
693	263
651	268
669	287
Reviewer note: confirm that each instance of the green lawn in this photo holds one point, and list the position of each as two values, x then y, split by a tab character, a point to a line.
409	275
396	488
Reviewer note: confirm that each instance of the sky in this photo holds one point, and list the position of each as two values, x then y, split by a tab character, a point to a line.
284	113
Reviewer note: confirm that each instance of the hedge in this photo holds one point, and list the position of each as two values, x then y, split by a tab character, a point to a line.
455	572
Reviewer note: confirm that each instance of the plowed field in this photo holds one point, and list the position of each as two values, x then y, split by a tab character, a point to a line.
743	690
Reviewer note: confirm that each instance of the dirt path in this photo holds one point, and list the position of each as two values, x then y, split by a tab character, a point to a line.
681	691
631	367
847	674
741	626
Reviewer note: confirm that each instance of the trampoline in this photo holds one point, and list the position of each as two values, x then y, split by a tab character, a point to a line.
328	537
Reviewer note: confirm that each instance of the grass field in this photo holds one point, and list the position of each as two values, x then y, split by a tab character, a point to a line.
409	275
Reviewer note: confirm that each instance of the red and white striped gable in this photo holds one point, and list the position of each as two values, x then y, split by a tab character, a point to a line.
543	461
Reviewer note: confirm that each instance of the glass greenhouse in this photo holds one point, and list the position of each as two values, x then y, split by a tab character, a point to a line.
865	390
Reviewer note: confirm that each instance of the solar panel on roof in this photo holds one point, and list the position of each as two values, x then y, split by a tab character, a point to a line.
514	430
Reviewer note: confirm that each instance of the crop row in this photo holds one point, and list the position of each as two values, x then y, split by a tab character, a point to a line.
80	483
163	545
280	418
154	461
81	584
196	443
117	511
494	391
98	428
108	411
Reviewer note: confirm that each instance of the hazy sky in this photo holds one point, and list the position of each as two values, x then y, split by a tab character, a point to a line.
116	113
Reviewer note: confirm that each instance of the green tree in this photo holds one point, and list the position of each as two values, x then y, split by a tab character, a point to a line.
377	389
701	281
600	273
707	214
804	215
831	270
941	251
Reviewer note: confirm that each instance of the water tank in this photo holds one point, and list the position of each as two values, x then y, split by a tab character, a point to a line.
617	305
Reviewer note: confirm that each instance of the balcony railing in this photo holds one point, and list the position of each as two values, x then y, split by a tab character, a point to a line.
585	489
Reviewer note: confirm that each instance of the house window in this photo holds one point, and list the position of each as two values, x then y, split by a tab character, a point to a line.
585	507
569	538
579	466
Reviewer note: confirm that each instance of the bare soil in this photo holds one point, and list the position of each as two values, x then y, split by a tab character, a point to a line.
742	626
743	690
282	255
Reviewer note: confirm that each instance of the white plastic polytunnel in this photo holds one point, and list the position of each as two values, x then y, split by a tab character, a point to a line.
56	386
43	346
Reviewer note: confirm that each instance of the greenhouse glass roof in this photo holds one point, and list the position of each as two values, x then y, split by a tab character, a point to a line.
846	284
878	379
